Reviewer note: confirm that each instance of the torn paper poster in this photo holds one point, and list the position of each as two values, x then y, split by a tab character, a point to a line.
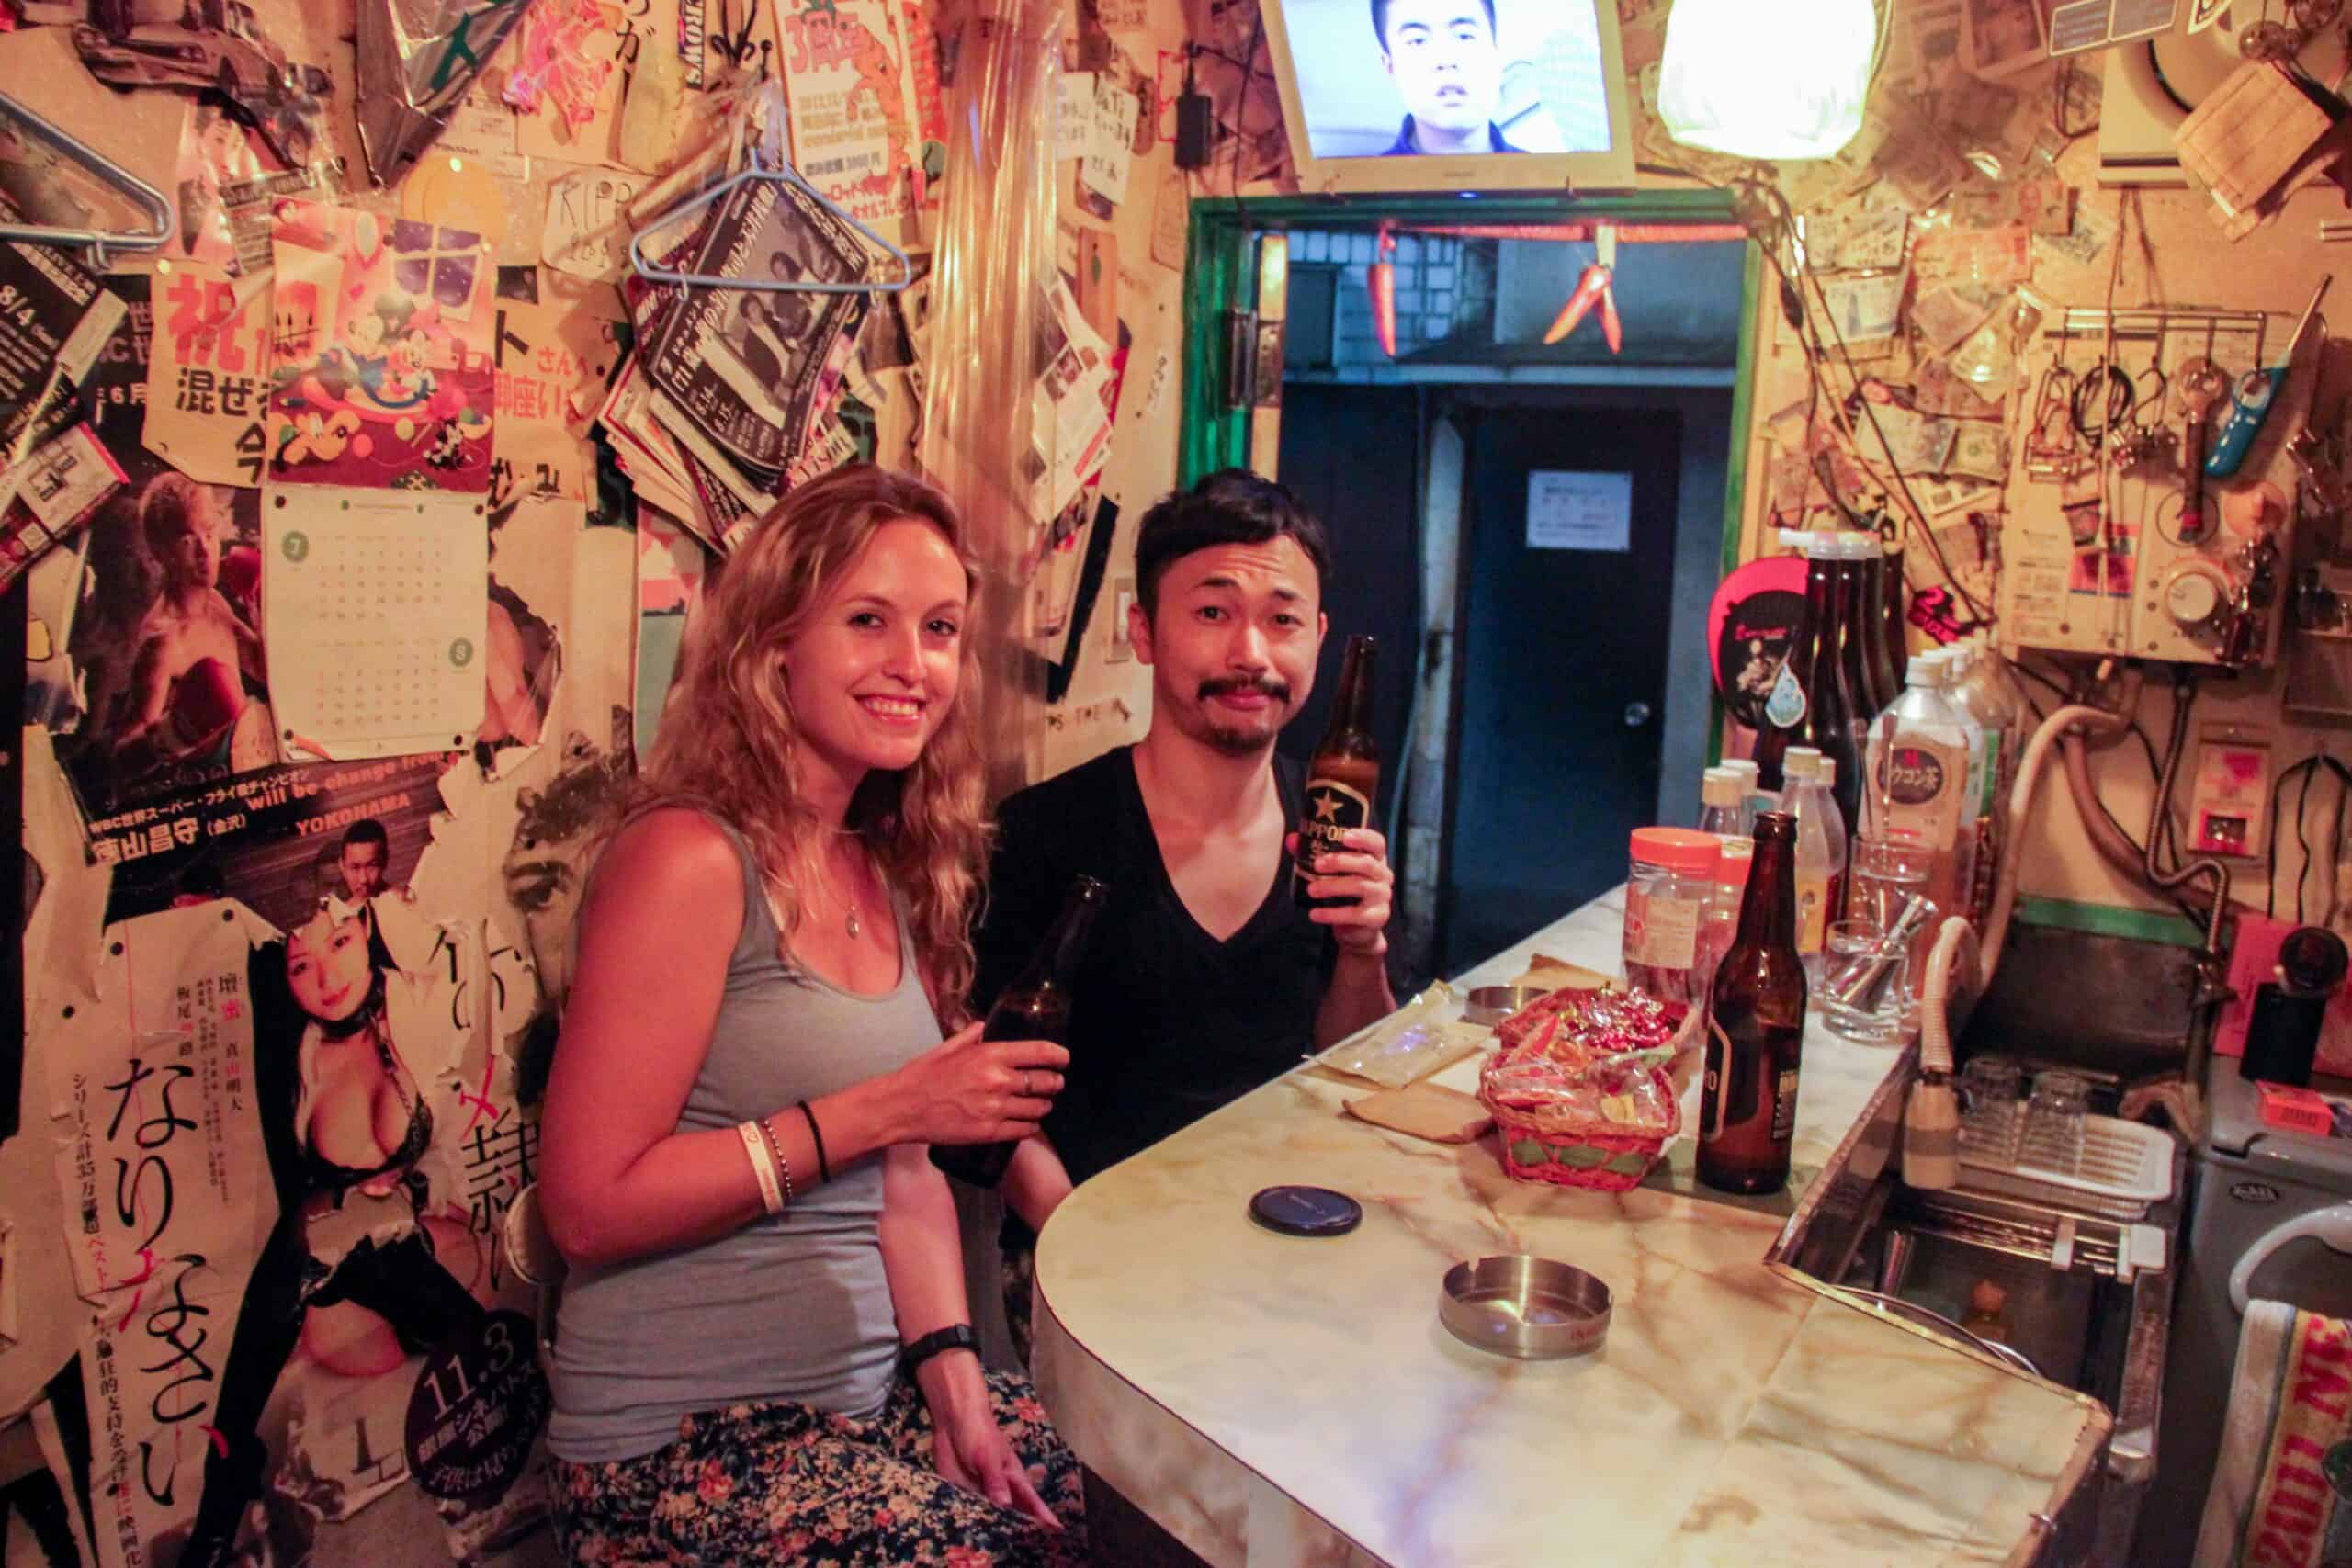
277	1365
743	367
208	373
51	495
1074	115
417	60
587	231
853	122
1073	393
54	318
381	364
215	153
558	60
160	618
287	842
1110	144
522	659
670	563
376	619
218	45
151	1083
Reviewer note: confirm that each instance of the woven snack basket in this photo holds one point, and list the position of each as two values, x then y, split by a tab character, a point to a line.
1567	1145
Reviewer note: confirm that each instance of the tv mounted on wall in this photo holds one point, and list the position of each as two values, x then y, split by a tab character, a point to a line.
1452	94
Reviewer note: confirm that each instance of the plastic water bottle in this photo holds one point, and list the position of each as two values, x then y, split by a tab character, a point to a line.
1918	790
1754	796
1801	797
1723	804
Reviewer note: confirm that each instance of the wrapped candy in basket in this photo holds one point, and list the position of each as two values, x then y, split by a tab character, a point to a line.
1581	1088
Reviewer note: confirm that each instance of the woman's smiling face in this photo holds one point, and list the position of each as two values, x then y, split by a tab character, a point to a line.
326	968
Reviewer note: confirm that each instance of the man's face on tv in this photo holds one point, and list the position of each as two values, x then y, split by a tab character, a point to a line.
1443	57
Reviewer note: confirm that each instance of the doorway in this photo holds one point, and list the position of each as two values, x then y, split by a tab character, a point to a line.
1511	661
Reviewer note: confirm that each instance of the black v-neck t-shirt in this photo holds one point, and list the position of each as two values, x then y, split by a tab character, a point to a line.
1168	1023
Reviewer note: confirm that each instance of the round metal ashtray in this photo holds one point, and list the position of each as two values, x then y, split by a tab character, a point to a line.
1490	1005
1528	1307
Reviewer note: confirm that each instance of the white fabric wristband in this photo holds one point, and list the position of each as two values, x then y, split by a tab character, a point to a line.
755	1146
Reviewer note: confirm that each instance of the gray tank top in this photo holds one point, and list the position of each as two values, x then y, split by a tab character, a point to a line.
792	1306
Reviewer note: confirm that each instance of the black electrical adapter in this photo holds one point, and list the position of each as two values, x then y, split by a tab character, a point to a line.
1194	124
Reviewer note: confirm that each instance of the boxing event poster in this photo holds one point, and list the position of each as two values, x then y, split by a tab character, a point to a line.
144	651
382	375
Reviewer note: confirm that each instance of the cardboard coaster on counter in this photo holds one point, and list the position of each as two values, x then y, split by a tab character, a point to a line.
1425	1110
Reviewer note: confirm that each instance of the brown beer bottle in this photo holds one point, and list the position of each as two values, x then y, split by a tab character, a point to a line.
1035	1007
1747	1108
1343	776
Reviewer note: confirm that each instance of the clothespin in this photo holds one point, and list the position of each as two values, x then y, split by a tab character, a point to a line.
1380	282
1594	285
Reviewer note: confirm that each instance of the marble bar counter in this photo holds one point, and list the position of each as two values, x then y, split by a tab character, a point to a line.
1271	1400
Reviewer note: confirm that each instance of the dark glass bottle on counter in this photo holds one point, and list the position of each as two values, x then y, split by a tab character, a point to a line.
1896	605
1035	1007
1859	698
1877	663
1813	702
1747	1107
1343	776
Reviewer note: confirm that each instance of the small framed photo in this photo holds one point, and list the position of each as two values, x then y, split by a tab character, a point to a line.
2003	36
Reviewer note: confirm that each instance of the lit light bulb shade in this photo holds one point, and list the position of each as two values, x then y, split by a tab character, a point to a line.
1767	78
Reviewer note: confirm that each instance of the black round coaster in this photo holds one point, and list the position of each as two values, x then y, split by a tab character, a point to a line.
1306	1210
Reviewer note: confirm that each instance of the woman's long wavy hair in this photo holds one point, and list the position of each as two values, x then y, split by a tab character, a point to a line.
730	744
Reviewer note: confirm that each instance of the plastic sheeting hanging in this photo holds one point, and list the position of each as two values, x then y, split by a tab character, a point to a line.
417	58
993	260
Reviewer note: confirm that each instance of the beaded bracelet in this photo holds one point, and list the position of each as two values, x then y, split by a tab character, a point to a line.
783	1163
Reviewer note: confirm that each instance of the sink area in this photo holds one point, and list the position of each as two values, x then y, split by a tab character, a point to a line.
2089	1297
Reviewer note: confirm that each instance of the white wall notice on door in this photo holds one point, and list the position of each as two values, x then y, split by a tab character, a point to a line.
1567	510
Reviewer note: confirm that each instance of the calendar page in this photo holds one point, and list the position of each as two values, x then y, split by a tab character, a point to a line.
375	619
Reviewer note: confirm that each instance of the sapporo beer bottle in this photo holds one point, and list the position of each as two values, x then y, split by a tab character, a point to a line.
1748	1109
1035	1007
1343	776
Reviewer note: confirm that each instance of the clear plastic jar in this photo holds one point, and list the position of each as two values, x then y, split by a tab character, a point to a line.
1669	883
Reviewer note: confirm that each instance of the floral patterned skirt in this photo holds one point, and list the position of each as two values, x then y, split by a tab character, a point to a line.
779	1483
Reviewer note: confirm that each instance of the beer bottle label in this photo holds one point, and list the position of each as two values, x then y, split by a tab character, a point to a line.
1785	707
1784	1106
1718	1082
1332	808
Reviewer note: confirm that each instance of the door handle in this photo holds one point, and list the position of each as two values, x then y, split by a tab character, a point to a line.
1637	714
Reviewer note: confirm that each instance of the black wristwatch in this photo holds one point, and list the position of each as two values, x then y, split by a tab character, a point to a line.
955	1336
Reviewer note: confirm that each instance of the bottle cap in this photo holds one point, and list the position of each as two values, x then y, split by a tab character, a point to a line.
1926	669
1746	768
1684	850
1825	773
1738	854
1722	786
1799	761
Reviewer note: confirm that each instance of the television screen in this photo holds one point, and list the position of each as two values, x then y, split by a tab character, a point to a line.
1457	78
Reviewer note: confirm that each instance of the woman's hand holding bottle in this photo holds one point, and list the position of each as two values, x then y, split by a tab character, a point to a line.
970	1090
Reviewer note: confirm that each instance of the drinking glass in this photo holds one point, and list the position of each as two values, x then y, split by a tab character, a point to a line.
2054	1122
1885	876
1864	986
1992	1120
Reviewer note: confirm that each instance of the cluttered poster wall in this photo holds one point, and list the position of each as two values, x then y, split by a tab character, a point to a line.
358	495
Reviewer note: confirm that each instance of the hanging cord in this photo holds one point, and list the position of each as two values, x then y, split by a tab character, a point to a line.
2159	815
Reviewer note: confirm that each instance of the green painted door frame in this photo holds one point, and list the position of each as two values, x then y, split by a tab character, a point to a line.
1220	270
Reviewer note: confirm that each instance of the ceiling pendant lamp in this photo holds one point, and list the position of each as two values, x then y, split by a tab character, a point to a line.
1767	78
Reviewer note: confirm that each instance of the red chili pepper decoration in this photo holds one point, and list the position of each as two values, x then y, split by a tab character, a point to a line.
1380	282
1594	285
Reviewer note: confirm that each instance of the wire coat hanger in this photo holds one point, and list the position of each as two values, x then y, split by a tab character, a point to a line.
117	178
787	175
